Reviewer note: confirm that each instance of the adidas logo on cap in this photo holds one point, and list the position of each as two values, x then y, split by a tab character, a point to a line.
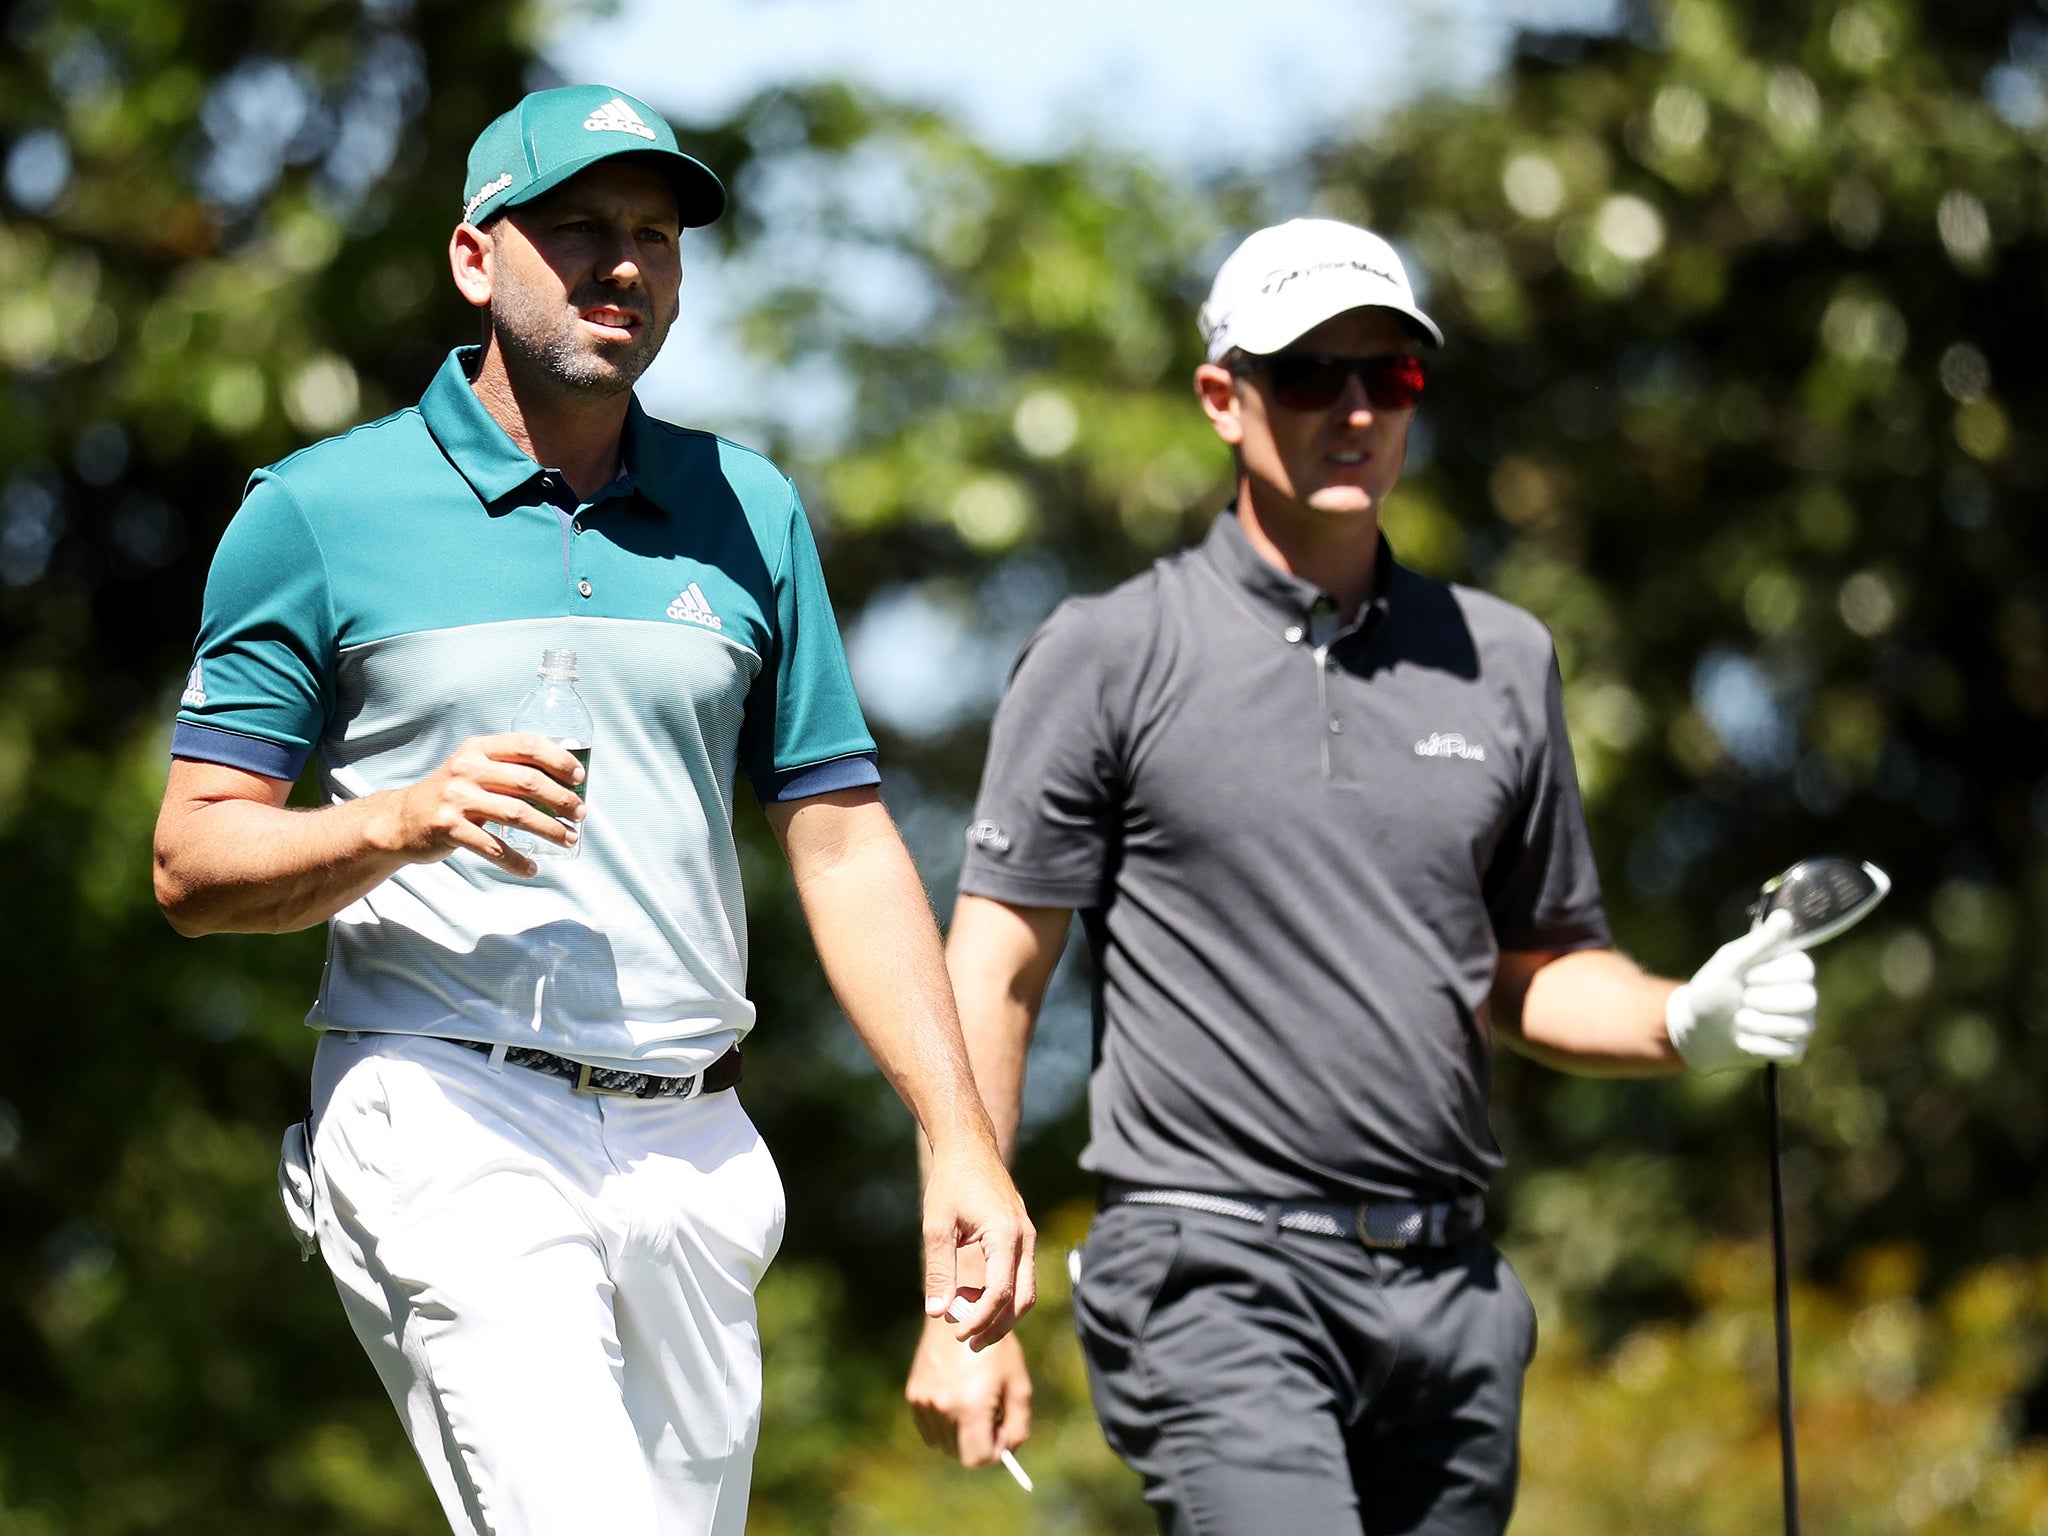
615	116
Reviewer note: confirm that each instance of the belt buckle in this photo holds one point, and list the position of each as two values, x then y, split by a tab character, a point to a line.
1412	1226
585	1084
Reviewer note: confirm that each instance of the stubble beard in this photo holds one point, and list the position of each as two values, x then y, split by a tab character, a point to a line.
541	340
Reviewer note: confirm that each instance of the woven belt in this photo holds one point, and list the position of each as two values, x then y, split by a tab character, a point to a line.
1377	1224
722	1074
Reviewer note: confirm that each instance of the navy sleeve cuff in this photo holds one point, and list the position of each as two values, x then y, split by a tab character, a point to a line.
231	749
853	772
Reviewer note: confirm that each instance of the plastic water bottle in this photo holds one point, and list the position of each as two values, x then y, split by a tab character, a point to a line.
557	711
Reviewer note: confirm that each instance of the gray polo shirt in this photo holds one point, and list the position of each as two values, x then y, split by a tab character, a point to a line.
1298	852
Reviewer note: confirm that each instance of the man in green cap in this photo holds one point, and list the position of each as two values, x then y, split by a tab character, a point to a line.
543	1205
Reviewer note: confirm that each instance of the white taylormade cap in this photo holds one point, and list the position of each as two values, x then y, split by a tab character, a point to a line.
1292	277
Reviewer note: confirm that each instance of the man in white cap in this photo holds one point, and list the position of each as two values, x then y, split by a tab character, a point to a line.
1319	815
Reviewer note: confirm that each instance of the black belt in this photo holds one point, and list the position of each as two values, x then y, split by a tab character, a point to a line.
1376	1224
722	1074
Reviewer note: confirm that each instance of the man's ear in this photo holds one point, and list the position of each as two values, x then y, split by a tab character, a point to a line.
469	259
1216	388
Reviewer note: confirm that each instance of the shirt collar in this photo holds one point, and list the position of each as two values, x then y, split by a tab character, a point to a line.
644	453
1285	600
485	455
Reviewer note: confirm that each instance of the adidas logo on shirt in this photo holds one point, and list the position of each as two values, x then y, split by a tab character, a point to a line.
616	117
194	696
691	608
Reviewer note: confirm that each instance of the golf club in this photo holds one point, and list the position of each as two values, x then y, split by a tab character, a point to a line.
1826	897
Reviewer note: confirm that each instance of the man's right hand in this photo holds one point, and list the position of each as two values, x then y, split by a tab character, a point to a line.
515	779
971	1404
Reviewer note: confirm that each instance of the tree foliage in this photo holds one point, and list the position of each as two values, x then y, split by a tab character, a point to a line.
220	239
1742	398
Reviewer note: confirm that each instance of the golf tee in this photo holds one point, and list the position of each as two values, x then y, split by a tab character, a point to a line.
1012	1466
956	1311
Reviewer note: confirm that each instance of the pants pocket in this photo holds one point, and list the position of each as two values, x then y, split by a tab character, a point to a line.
778	1201
295	1186
1511	1283
1124	1267
720	1188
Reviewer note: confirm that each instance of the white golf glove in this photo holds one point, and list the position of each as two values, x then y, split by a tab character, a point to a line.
1750	1004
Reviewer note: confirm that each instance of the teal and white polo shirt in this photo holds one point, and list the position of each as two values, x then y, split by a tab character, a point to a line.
382	596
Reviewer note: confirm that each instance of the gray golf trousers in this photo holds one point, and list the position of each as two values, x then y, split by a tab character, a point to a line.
1263	1381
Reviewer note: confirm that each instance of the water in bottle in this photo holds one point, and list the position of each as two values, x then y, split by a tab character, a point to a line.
555	710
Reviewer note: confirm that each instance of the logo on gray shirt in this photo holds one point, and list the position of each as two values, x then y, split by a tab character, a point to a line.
1450	744
986	834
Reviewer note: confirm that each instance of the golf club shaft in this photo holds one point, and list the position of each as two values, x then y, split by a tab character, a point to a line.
1782	1284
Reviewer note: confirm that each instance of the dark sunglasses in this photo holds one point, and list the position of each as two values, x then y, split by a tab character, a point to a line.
1312	381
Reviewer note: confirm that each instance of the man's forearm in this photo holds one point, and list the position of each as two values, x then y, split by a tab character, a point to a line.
997	1026
1000	958
1594	1011
230	858
879	947
239	866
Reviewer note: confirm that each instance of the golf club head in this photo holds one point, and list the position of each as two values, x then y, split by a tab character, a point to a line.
1825	896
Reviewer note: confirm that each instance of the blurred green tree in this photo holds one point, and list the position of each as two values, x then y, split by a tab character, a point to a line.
219	239
1742	399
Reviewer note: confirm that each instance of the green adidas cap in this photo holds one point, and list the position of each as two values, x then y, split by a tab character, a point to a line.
551	135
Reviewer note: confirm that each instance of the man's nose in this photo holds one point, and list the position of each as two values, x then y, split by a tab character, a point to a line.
1354	405
620	263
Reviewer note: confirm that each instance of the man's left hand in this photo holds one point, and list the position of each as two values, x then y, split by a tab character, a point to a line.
1753	1002
969	1201
973	1406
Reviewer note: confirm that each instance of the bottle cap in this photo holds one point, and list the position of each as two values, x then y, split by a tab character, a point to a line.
558	666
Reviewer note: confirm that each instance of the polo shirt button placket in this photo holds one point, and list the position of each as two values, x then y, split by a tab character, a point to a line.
1338	765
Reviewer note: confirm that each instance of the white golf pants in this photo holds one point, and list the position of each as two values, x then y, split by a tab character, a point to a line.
556	1288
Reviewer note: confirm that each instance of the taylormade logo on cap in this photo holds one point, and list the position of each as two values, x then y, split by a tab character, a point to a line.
484	194
1288	279
1275	281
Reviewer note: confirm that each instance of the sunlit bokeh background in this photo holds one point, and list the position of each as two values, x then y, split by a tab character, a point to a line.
1747	304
